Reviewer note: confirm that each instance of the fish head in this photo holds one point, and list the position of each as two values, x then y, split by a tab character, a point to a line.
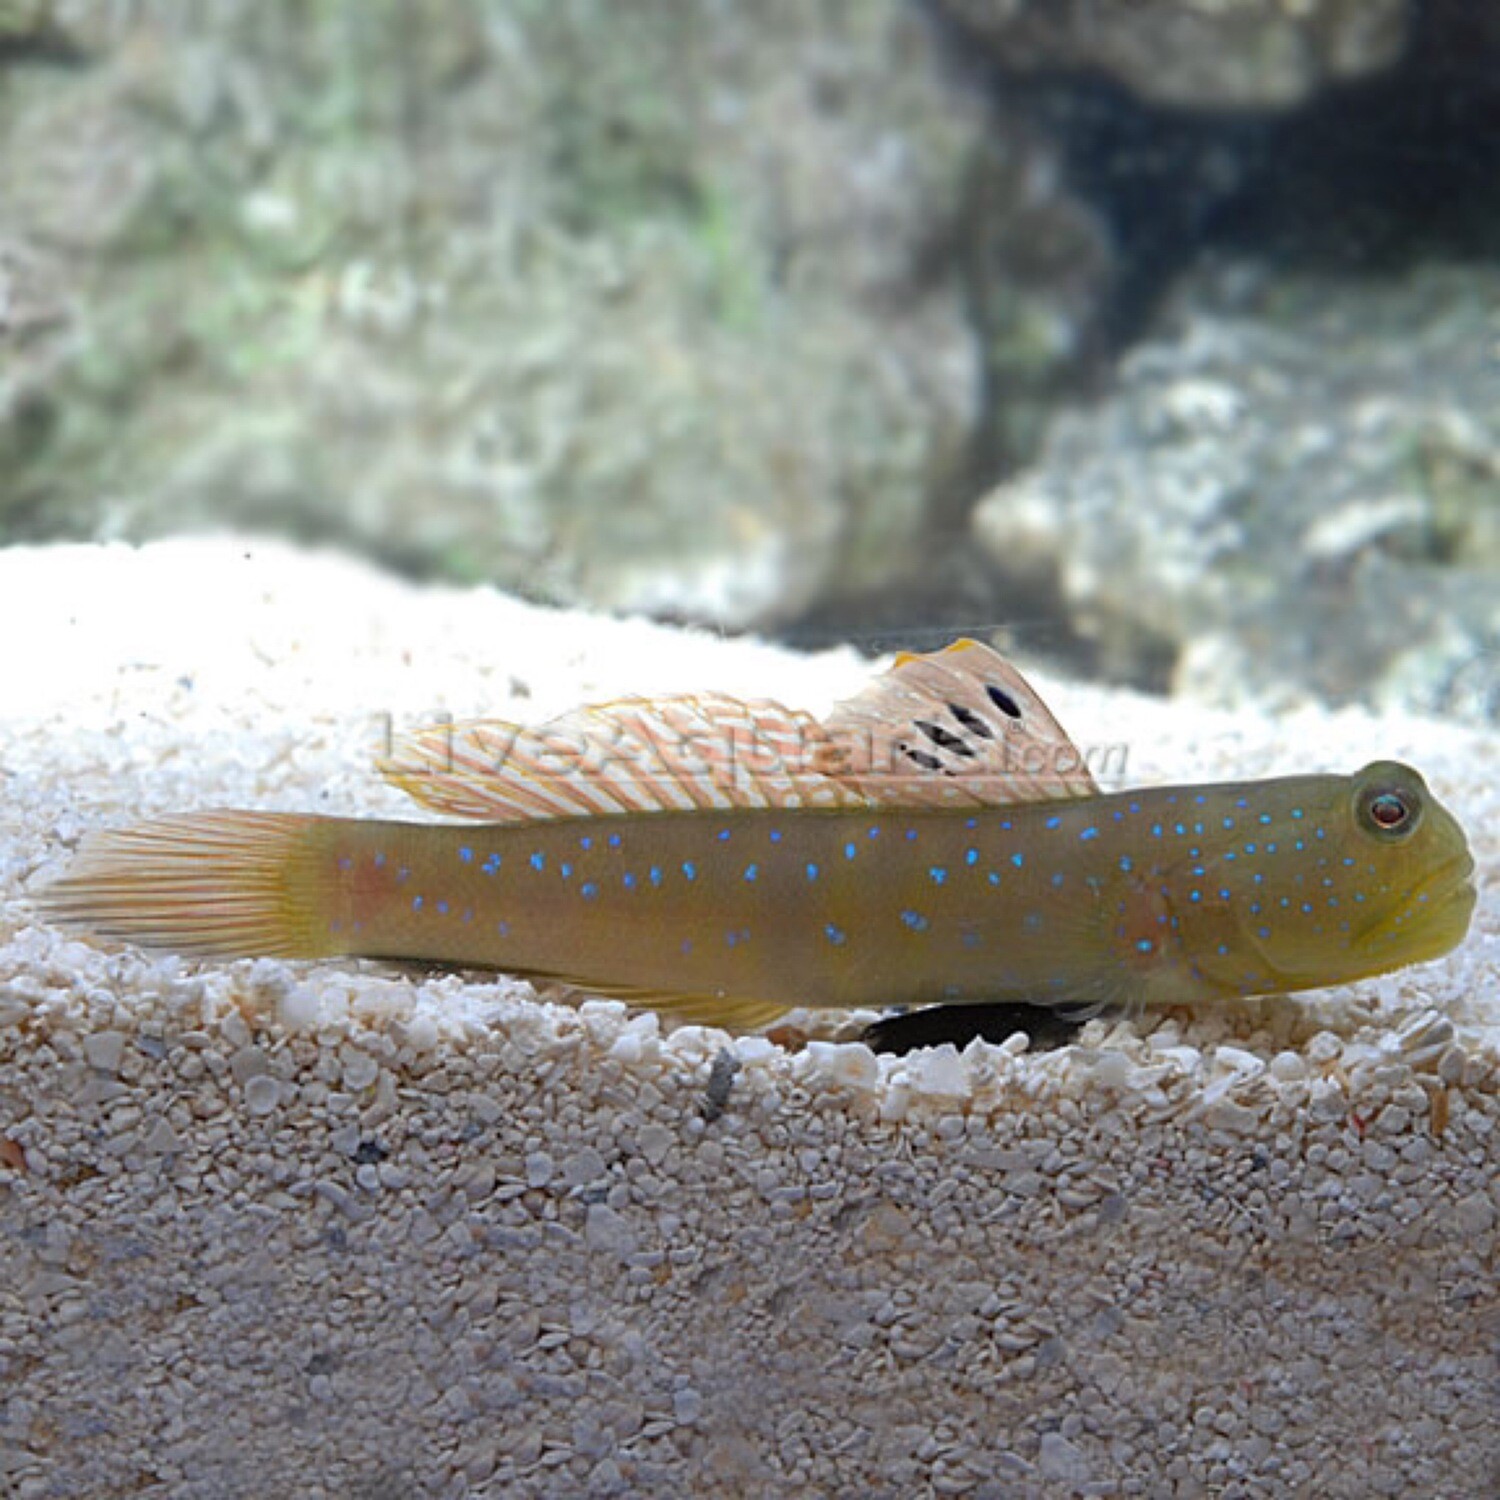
1394	884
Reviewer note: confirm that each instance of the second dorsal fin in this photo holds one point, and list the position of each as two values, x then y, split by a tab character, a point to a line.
634	755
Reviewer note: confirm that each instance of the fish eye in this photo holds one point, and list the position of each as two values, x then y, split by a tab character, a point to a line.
1388	812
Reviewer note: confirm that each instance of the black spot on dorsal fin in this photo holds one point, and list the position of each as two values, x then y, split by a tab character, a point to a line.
921	758
944	739
971	721
1003	701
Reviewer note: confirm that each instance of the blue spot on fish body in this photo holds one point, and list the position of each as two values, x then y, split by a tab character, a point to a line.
938	874
850	850
1018	859
538	860
654	874
466	854
567	870
491	865
812	871
628	880
775	835
971	856
442	908
1126	863
689	869
585	842
751	871
835	935
416	903
723	835
588	890
1088	833
1054	822
915	920
1144	945
614	841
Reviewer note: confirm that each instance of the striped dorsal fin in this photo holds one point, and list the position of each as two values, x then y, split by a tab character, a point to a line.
634	755
959	727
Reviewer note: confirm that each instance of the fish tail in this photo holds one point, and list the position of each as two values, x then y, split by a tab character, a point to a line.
223	882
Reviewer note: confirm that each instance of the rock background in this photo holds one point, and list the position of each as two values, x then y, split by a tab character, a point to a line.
738	314
1292	489
626	305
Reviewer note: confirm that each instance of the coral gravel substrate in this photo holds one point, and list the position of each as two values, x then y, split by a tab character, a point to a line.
343	1230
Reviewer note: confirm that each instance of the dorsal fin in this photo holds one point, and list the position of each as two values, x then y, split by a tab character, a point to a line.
957	727
704	750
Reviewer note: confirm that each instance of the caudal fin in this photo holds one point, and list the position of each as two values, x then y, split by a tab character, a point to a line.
222	882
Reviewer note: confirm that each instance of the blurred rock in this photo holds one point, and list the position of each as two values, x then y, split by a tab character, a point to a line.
1205	54
654	307
1293	489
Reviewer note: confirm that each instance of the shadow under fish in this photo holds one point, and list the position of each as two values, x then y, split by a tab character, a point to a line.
1045	1027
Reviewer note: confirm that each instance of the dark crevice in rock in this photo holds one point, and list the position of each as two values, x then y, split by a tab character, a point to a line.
1370	177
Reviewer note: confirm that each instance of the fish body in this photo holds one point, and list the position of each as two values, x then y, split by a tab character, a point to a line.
738	912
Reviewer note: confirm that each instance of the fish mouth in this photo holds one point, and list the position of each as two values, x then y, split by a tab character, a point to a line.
1432	919
1436	912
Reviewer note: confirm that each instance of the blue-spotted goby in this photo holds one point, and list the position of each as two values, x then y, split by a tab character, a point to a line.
936	839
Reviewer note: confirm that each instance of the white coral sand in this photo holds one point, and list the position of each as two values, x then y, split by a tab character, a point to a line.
334	1230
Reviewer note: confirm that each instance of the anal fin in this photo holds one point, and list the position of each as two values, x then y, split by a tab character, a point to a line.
734	1013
